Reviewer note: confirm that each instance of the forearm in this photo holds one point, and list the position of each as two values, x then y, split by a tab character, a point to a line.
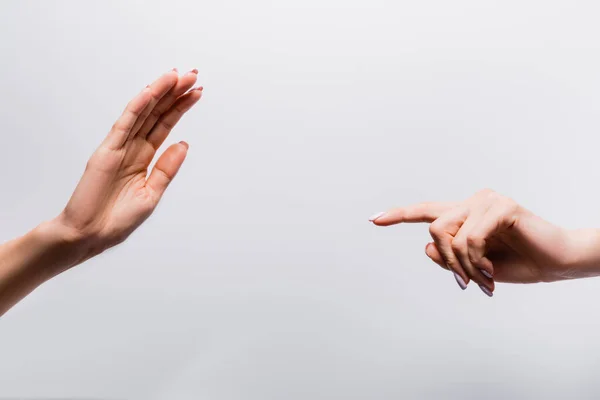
558	253
32	259
584	259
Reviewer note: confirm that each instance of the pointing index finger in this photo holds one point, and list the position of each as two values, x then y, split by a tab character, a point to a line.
422	212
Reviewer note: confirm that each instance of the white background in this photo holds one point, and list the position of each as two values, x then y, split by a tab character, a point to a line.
259	276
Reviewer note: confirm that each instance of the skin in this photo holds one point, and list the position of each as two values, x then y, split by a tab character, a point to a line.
115	194
487	238
490	238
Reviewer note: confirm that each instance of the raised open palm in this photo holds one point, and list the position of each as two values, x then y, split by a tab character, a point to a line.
116	193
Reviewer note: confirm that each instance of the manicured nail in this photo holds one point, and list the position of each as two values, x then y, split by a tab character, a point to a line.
486	291
194	71
376	216
187	146
460	281
175	69
486	274
200	88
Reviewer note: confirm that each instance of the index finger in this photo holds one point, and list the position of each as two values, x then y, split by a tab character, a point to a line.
422	212
138	110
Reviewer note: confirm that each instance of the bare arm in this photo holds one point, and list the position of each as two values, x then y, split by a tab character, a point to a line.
114	196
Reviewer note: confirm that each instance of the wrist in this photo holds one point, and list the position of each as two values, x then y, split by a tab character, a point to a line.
558	253
65	247
582	254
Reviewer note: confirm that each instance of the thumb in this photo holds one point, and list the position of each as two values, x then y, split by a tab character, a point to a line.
166	168
432	252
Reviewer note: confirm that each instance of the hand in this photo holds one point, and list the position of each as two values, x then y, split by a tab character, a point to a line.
490	238
115	194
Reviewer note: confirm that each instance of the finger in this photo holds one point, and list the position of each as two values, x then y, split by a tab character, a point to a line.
423	212
122	127
158	89
479	205
460	246
168	120
166	168
481	271
432	252
486	267
184	83
500	216
442	231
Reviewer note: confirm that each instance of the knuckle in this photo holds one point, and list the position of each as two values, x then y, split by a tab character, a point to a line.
459	246
118	126
474	241
509	204
474	259
153	96
486	192
165	177
451	264
509	211
167	125
486	196
436	229
475	248
155	113
144	115
130	106
454	266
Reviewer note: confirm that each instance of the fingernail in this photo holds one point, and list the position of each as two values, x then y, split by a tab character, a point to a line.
376	216
486	274
460	281
175	69
187	146
194	71
486	291
200	88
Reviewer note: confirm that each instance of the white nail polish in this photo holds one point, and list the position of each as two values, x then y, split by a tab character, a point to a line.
486	291
460	281
486	274
376	216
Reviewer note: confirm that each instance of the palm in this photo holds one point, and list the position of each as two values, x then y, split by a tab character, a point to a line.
134	200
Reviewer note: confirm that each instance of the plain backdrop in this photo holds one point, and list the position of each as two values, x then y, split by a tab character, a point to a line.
259	276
